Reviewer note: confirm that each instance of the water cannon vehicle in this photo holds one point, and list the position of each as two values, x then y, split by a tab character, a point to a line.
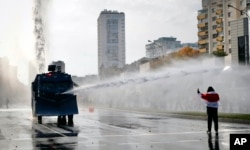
50	96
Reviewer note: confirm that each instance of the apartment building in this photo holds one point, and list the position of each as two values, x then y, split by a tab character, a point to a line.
111	42
215	28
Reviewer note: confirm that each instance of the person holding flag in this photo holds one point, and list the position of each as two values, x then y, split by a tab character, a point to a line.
211	98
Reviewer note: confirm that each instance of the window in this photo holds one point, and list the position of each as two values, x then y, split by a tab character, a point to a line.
215	35
229	14
212	10
112	31
214	18
56	86
229	32
214	44
241	2
229	24
214	27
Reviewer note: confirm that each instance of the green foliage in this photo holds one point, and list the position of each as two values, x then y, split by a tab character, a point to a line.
219	53
221	115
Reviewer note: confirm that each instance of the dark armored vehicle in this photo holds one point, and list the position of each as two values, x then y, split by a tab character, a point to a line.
51	96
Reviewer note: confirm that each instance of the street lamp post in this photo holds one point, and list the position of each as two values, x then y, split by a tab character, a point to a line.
244	11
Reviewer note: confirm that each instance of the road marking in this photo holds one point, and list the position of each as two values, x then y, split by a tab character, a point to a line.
173	133
141	143
14	109
53	130
93	145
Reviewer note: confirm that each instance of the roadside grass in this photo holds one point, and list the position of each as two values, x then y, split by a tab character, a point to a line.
226	117
237	116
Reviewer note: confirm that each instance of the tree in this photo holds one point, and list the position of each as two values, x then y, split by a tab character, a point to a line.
185	52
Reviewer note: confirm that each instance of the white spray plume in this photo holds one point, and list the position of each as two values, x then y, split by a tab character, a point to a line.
173	89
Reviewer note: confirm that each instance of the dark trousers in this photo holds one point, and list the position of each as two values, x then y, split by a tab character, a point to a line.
212	115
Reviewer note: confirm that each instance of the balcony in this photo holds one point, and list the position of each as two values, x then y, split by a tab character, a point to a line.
220	38
202	33
220	47
219	29
202	50
202	25
201	16
219	20
201	42
218	11
219	4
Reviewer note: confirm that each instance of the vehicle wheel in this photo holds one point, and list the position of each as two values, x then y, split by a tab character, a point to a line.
58	120
39	118
70	120
61	120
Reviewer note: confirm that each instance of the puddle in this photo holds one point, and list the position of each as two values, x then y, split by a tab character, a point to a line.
152	118
128	126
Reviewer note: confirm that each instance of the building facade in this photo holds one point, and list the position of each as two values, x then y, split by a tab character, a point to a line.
162	46
240	41
214	25
111	42
12	90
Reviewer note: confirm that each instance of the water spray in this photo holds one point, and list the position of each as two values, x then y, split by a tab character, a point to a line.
226	68
172	89
39	36
144	78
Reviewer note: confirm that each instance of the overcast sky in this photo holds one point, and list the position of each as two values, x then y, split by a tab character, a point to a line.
71	28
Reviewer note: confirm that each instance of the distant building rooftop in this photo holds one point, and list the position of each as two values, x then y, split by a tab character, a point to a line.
105	11
167	39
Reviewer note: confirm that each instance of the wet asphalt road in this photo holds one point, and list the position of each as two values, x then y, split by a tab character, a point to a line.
104	129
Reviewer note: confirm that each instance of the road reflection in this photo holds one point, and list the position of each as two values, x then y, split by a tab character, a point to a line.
213	145
50	136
